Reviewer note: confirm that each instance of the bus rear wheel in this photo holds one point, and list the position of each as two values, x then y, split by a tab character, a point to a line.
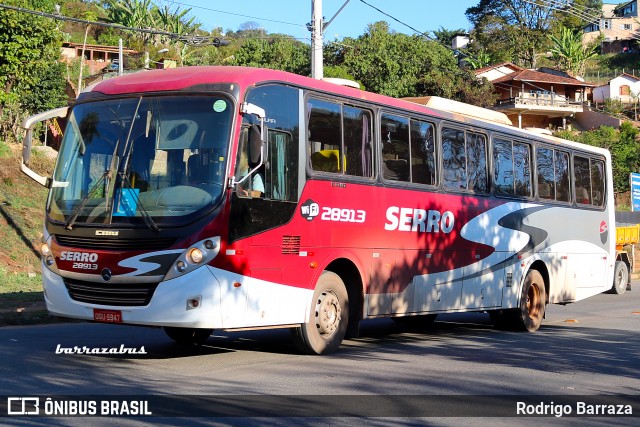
530	312
327	325
532	302
620	278
188	335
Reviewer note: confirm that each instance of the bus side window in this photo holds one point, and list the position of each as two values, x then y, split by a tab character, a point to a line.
454	159
357	141
598	182
503	167
280	181
325	135
563	193
512	168
277	178
477	162
253	185
423	164
395	148
582	179
522	169
546	174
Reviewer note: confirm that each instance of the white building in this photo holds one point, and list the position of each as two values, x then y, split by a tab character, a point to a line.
624	88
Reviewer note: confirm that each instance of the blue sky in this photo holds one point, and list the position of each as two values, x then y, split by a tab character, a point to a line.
290	16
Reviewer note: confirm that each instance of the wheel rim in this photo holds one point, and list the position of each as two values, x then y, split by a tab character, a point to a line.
620	282
533	301
328	313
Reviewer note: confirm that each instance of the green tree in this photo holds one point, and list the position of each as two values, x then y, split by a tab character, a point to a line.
511	30
476	59
134	14
29	44
392	63
625	156
277	52
444	36
569	53
575	14
49	92
177	22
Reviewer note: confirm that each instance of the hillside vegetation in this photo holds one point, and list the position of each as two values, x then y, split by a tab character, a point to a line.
21	218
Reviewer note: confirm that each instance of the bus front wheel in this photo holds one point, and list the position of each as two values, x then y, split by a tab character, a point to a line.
188	335
327	324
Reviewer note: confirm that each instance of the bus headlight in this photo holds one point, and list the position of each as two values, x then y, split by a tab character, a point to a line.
195	256
44	250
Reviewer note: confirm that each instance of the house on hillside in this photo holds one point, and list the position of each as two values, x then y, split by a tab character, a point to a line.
619	25
460	41
96	57
536	98
624	87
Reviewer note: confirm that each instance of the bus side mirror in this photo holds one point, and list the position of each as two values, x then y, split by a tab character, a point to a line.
257	143
27	142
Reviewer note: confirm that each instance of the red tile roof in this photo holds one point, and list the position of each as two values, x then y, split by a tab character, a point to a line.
534	76
540	77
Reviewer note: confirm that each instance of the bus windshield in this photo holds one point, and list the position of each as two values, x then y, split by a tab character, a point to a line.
151	159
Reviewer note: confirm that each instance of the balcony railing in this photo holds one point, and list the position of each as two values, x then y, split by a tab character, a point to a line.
540	99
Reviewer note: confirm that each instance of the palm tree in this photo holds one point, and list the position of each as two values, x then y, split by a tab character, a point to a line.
132	13
569	53
178	23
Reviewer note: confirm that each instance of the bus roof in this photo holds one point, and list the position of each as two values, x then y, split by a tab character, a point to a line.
183	78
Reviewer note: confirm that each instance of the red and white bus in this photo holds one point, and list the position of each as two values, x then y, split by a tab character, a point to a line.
230	198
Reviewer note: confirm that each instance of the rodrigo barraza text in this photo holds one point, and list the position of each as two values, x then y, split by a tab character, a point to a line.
578	408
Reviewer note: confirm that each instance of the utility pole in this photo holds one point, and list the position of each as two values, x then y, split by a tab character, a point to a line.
316	39
317	27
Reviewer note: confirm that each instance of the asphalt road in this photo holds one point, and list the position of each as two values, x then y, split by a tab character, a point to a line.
588	348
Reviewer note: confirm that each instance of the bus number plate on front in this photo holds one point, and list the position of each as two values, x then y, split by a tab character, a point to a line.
107	316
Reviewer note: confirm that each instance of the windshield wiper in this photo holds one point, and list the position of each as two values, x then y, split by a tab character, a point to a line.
76	212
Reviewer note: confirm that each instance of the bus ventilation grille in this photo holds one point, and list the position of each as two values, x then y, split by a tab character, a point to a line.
509	280
290	245
117	244
121	294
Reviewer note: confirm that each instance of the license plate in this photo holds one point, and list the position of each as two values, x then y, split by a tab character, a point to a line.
107	316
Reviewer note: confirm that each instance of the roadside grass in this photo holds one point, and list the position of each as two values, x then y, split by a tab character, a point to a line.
22	299
22	203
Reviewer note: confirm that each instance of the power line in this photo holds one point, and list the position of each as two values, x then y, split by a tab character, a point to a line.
188	39
258	18
399	21
87	22
571	9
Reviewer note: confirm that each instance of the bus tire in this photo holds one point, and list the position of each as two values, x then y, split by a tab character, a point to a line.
533	298
324	331
620	278
188	335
